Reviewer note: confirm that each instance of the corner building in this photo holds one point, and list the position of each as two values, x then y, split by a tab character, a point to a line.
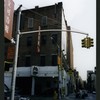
37	67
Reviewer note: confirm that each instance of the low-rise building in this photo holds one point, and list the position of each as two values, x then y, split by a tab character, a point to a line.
42	65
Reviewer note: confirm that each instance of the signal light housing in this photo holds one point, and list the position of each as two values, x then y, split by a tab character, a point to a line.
87	42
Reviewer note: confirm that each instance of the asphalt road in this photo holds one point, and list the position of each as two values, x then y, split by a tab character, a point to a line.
90	97
70	97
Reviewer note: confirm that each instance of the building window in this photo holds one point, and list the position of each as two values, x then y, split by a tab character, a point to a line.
42	60
29	41
43	39
54	38
30	22
54	60
44	21
27	61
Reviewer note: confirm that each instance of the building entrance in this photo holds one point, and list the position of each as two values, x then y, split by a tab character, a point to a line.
24	85
45	86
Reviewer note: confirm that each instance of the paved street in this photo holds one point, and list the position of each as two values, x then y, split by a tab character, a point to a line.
70	97
90	97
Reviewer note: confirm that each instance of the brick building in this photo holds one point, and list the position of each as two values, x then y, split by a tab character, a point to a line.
38	52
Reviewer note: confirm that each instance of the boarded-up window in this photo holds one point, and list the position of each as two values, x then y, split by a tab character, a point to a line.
29	41
42	60
30	22
44	21
28	61
54	60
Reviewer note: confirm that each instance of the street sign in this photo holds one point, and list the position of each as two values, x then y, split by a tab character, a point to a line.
8	18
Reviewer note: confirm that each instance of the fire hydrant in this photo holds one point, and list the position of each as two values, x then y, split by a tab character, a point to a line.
55	95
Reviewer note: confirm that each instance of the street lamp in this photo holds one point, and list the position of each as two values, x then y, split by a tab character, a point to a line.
16	54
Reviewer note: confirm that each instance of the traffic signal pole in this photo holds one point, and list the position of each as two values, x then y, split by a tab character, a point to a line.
55	30
16	54
59	68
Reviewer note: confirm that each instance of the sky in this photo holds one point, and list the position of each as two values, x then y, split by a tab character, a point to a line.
80	16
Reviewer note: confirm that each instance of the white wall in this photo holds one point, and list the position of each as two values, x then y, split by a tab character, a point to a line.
64	34
66	78
7	79
24	71
47	71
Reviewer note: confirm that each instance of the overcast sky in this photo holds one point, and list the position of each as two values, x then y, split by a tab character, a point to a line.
81	16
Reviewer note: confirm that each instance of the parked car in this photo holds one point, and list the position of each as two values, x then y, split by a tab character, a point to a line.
7	94
81	94
85	93
77	94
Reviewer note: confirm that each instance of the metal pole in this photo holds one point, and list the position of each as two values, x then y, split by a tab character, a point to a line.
59	69
59	73
16	55
59	30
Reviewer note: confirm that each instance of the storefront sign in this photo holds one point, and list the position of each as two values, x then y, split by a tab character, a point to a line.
8	18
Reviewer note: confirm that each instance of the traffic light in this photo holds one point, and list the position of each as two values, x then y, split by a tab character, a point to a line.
92	43
87	42
83	43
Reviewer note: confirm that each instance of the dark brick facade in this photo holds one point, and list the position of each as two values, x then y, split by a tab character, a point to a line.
28	55
49	17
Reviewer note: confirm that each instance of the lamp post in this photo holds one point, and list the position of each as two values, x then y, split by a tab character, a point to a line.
16	54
